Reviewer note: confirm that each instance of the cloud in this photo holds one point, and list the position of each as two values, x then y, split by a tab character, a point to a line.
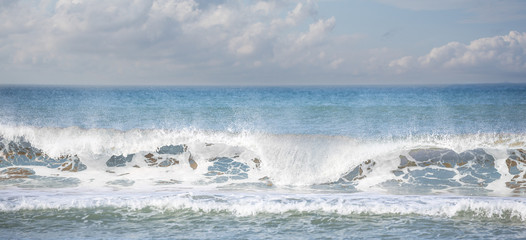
499	55
168	39
479	10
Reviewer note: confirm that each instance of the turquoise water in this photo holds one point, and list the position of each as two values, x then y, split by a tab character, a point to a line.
263	162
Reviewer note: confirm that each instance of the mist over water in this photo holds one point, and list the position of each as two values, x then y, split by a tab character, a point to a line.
335	159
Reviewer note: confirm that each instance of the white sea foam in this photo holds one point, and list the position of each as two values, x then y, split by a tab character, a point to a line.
246	204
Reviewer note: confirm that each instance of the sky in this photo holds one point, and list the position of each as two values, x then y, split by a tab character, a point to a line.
242	42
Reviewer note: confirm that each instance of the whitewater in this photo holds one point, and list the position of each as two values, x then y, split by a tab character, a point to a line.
263	162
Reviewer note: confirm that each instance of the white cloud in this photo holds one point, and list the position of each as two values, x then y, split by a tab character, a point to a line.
317	31
499	54
479	10
172	37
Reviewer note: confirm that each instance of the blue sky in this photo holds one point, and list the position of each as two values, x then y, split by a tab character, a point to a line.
240	42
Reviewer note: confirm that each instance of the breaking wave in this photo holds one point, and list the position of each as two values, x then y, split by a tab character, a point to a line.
471	164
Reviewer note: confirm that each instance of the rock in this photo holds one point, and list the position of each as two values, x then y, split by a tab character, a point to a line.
435	156
168	162
512	166
21	153
360	171
153	160
72	164
192	163
177	152
267	181
516	163
150	160
404	162
167	182
476	167
171	149
257	162
119	161
121	182
16	172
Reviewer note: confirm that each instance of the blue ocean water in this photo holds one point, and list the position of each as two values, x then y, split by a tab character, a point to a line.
349	111
263	162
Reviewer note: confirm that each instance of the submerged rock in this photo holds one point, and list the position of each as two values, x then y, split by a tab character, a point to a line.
72	164
481	167
257	162
516	163
171	149
167	182
121	182
224	169
360	171
176	153
435	156
433	169
119	161
476	166
16	172
404	162
21	153
192	163
168	162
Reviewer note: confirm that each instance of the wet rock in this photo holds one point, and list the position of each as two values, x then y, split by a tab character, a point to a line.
267	181
516	163
175	152
119	161
72	164
360	171
150	159
167	182
512	166
121	182
168	162
469	179
214	173
16	172
404	162
435	156
21	153
225	168
192	163
257	162
265	178
476	166
171	149
479	165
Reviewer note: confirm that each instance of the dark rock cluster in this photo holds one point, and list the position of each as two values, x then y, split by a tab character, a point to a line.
516	163
21	153
158	158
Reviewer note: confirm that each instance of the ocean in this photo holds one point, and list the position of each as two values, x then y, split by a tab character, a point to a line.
335	162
